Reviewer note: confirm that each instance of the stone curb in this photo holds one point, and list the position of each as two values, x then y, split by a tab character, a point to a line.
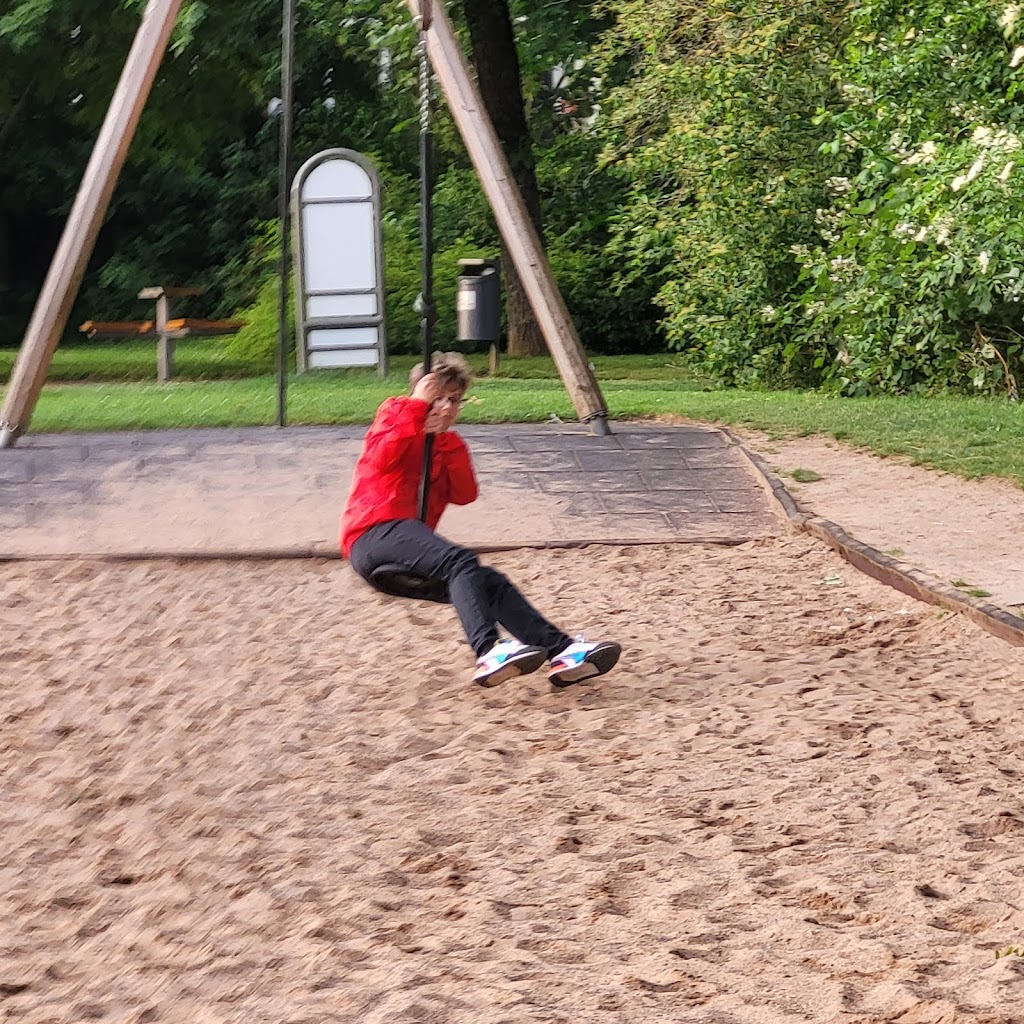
906	578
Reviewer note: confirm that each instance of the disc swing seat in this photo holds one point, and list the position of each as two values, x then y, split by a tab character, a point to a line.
397	580
393	578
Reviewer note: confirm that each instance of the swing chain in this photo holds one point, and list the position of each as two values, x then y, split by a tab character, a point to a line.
425	302
424	305
423	56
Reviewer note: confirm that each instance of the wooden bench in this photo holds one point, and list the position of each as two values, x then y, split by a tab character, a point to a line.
167	329
117	329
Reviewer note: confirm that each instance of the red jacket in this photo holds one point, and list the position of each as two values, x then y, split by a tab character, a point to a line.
386	481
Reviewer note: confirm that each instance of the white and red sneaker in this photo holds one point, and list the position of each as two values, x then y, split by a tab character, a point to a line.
508	658
581	660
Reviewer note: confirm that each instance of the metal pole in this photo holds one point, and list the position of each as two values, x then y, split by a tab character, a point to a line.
284	203
426	298
521	238
53	307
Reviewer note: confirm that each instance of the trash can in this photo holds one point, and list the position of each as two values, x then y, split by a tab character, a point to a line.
478	301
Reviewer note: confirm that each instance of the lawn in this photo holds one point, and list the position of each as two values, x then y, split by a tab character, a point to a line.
103	388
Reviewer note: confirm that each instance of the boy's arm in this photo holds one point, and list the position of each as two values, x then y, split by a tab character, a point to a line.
399	421
456	464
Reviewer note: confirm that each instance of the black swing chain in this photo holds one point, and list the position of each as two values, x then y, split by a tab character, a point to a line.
425	301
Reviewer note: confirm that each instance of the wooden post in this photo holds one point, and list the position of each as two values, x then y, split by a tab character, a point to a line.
53	307
165	346
168	338
521	239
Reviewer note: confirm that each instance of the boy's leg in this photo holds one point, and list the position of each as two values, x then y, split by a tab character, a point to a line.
412	543
483	596
519	617
571	660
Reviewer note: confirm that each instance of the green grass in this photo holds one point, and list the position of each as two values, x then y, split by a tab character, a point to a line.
204	359
971	437
968	588
806	476
132	361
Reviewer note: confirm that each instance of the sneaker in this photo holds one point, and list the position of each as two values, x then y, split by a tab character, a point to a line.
508	658
581	660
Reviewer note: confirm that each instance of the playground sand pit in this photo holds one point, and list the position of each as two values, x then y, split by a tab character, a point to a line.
260	792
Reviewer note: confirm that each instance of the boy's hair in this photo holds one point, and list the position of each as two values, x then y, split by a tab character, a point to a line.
451	370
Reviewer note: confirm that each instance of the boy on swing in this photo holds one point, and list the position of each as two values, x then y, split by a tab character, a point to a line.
380	526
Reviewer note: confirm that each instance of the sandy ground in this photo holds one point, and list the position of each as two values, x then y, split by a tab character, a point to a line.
260	792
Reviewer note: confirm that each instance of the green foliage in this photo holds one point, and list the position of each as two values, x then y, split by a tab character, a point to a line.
403	282
915	282
608	320
711	131
822	194
200	180
581	203
203	166
256	343
578	205
826	195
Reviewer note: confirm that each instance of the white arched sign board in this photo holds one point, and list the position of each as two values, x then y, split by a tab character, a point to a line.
339	291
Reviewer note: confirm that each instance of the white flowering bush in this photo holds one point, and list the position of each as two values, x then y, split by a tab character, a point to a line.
916	280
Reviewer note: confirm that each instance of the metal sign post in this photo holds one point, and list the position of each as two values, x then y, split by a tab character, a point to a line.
284	207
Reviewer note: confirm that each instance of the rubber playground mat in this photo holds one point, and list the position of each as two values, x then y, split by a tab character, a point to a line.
267	491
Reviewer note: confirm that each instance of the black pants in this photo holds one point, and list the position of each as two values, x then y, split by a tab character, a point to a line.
482	596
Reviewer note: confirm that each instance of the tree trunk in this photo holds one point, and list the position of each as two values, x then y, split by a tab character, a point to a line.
497	67
6	134
5	259
7	128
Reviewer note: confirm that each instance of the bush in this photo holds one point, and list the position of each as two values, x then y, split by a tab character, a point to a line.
712	133
611	319
916	280
256	343
581	202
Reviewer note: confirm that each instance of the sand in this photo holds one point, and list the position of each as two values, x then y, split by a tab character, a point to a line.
260	792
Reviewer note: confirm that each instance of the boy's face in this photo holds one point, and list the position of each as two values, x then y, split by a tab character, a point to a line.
445	410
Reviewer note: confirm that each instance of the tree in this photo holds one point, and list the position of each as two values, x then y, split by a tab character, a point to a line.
204	143
548	34
498	73
714	130
198	191
916	279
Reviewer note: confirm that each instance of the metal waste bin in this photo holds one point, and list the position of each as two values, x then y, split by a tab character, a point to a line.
478	301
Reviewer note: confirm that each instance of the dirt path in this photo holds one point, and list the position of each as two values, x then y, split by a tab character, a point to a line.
966	532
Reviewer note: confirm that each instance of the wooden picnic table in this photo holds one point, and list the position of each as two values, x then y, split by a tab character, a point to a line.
166	328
